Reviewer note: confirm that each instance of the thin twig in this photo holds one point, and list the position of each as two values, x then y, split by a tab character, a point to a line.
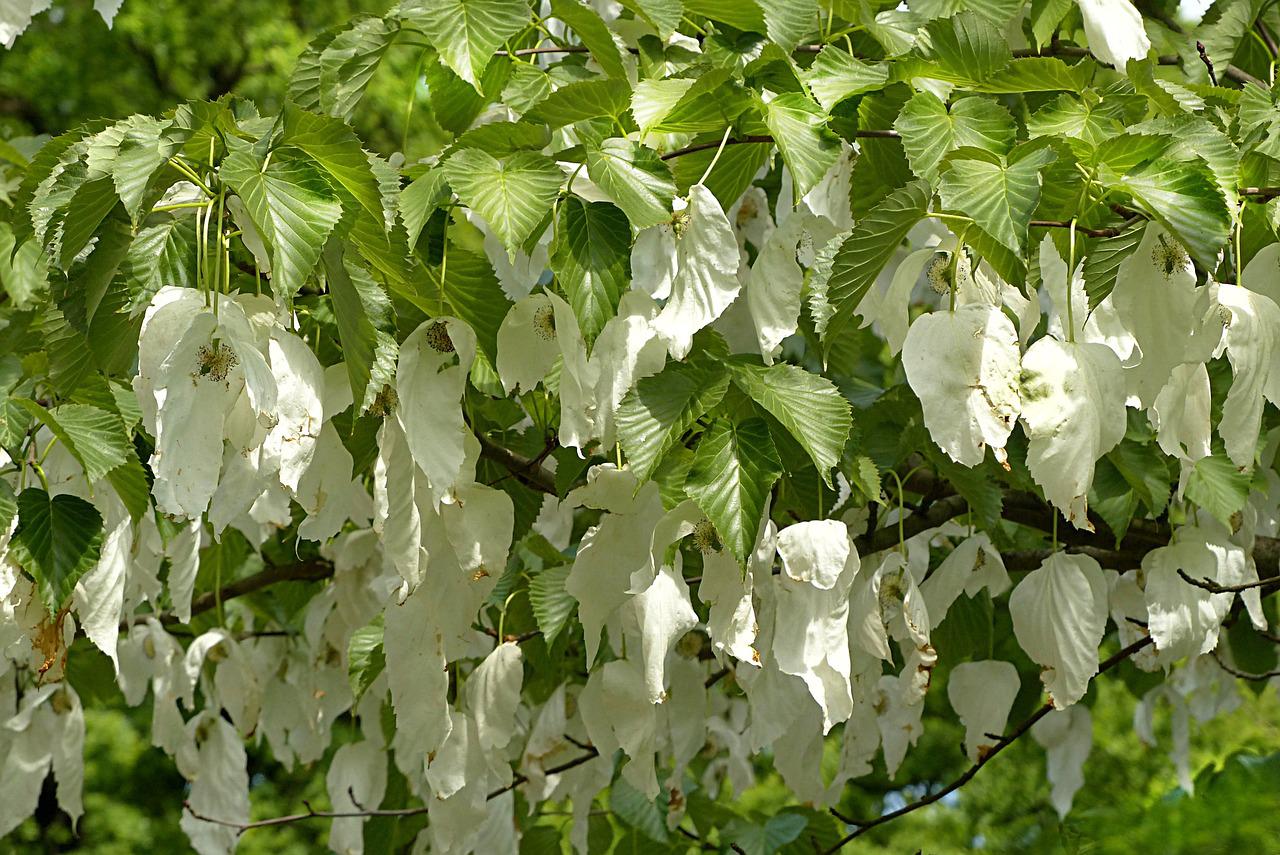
1243	675
968	774
1214	588
311	813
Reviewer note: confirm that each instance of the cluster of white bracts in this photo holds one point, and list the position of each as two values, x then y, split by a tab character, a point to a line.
816	635
1145	346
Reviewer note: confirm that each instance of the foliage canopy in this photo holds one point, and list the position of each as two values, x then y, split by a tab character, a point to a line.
738	379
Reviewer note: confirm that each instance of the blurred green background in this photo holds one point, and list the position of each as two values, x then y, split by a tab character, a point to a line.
69	68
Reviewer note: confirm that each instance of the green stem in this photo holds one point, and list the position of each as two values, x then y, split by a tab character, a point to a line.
712	165
178	206
408	107
1071	275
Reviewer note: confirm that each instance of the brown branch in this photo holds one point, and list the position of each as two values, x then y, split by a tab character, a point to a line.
305	571
1243	675
1002	744
530	472
1214	588
311	813
1066	224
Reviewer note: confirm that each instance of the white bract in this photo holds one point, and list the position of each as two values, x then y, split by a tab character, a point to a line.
963	365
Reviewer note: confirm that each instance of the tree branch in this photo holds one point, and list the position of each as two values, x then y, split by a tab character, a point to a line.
528	471
311	813
1214	588
1243	675
967	775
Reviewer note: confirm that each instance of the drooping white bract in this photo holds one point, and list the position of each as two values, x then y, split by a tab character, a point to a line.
415	666
1073	409
963	366
212	759
811	626
1157	300
653	257
45	734
196	371
888	603
518	271
1059	613
890	311
1253	348
973	565
706	278
1100	326
356	780
982	693
430	379
663	613
618	713
536	332
1184	620
774	285
1181	413
1067	737
608	553
626	350
1115	32
493	695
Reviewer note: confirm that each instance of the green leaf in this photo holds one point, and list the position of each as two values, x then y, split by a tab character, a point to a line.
734	467
57	541
593	32
96	438
999	193
808	406
1103	263
930	129
133	150
661	408
836	75
868	249
365	659
1143	469
1184	198
1091	119
730	176
1218	486
799	128
293	207
665	15
590	257
513	195
765	838
366	326
968	47
586	99
161	254
467	32
1035	74
636	179
638	811
89	206
420	200
688	105
8	506
552	603
130	482
471	292
788	22
337	152
334	70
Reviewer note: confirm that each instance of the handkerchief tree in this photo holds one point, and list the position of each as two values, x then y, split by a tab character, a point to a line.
742	380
